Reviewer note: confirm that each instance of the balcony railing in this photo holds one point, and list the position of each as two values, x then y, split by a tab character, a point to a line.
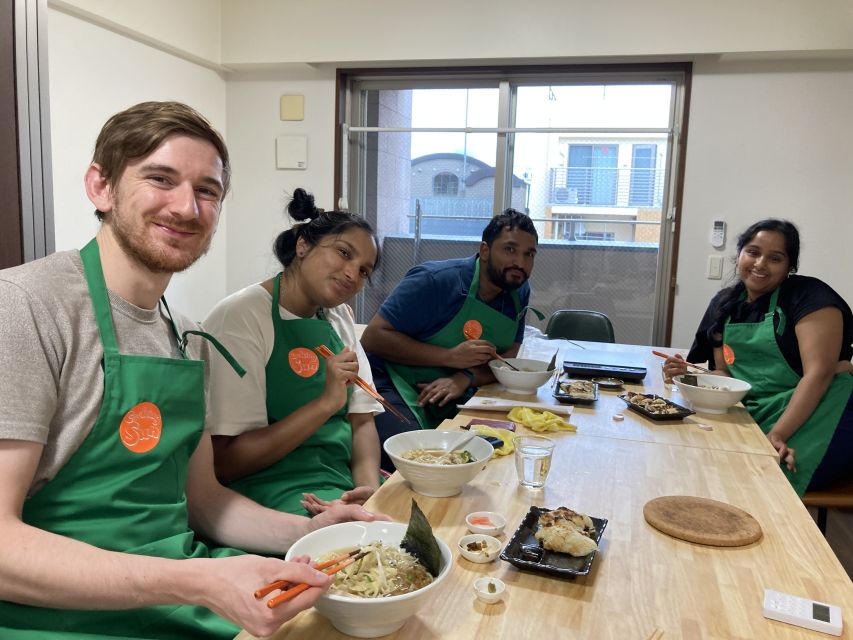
606	186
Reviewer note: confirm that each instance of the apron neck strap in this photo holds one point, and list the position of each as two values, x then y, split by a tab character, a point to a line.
773	308
94	273
276	296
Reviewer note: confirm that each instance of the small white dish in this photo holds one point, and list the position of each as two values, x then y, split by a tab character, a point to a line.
491	548
477	522
609	383
487	595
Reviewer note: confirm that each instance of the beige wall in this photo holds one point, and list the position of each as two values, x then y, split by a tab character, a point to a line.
262	31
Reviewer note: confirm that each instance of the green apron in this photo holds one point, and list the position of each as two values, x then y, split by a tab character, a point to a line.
296	375
757	359
123	489
488	324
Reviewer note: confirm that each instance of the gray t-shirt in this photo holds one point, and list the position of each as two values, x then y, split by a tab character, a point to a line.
51	381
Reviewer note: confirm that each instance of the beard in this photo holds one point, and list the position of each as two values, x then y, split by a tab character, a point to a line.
499	278
172	256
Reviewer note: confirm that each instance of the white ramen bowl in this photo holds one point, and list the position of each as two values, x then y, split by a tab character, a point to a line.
704	399
437	480
366	617
533	374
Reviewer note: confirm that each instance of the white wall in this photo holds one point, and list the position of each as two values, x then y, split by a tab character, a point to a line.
95	73
766	139
261	192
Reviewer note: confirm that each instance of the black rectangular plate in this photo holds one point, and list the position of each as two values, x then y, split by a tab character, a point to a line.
559	564
582	369
567	398
683	412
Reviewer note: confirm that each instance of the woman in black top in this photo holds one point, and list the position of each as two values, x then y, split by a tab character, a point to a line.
790	337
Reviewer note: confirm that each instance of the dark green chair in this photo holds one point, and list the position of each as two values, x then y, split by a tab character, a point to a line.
580	324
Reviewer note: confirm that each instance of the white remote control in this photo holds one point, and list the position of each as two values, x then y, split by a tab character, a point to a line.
817	616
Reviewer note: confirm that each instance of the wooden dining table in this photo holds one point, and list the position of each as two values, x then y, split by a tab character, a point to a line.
642	583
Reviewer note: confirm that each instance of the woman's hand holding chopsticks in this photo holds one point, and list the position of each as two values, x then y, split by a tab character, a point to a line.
341	371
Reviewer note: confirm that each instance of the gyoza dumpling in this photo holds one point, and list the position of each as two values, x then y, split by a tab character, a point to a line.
564	538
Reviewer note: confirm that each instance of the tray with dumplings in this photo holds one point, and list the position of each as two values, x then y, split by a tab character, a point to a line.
655	407
576	392
528	547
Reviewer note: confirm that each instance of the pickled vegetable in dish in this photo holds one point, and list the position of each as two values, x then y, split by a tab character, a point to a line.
384	571
438	456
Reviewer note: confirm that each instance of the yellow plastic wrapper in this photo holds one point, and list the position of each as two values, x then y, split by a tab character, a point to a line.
505	436
539	421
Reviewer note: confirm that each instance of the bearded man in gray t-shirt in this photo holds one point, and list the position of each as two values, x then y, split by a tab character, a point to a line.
106	472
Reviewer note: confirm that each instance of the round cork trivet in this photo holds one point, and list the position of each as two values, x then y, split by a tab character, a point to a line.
702	520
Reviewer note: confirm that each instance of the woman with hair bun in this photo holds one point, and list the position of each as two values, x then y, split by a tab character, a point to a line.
294	434
790	337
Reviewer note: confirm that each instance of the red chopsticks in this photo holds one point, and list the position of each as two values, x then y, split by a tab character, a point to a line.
689	364
324	351
327	567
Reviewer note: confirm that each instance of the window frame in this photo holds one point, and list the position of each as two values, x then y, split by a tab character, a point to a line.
506	78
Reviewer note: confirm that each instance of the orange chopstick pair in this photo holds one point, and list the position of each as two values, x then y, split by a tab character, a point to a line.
689	364
324	351
326	567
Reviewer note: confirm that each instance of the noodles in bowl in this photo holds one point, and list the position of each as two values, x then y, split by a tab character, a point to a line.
362	616
384	571
438	456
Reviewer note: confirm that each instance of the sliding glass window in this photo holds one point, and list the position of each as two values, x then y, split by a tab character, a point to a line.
591	157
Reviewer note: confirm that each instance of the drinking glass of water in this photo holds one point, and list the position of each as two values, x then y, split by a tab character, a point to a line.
533	459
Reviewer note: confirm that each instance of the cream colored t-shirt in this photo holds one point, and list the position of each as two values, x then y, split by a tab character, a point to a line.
243	323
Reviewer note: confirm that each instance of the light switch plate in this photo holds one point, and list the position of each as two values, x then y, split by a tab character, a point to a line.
715	267
292	107
291	152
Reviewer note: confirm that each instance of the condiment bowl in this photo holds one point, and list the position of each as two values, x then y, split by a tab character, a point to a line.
367	617
491	551
481	588
437	480
533	374
488	522
706	399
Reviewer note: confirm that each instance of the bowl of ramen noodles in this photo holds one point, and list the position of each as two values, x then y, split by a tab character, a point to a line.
378	593
707	393
531	375
429	460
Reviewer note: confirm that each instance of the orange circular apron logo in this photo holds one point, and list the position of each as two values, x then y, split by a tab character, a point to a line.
472	330
728	354
303	362
141	427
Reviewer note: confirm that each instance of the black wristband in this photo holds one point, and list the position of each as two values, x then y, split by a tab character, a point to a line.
468	374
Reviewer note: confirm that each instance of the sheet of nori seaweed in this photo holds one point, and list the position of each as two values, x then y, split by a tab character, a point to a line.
420	542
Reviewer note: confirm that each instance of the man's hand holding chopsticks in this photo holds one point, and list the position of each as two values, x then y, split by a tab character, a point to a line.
227	586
